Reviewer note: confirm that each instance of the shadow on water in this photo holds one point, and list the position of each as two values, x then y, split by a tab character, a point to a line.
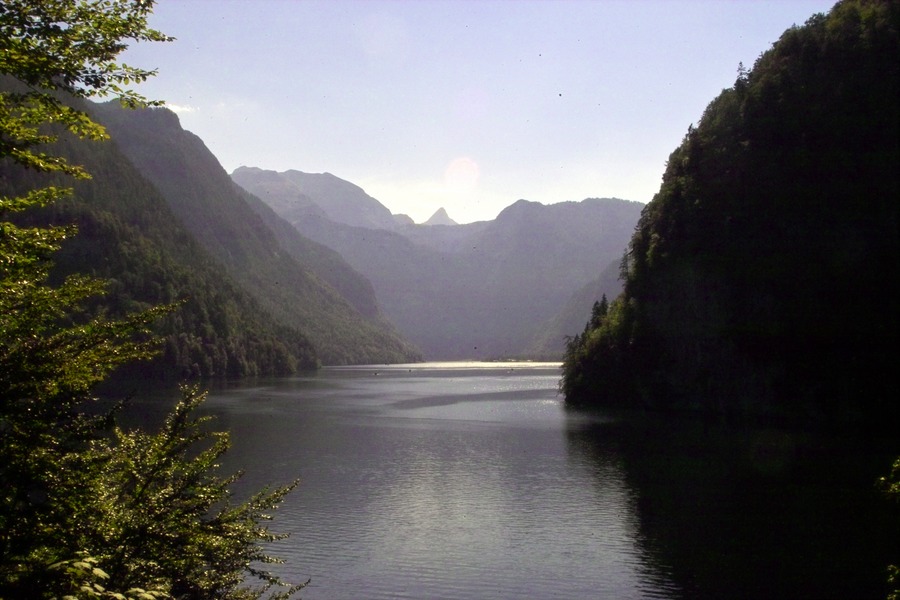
644	505
729	512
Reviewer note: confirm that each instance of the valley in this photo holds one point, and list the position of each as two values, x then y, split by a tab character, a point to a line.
484	290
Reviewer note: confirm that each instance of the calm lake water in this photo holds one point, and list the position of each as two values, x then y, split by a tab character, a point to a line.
470	480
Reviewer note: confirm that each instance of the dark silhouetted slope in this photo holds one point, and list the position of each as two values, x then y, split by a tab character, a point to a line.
763	275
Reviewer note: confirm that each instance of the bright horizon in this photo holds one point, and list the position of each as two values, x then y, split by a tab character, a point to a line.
465	105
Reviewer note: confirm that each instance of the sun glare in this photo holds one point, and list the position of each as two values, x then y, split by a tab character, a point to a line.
461	175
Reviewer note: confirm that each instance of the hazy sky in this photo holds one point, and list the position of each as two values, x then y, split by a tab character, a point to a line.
466	104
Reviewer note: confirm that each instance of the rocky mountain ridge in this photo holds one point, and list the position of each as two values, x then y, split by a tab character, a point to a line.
301	284
476	290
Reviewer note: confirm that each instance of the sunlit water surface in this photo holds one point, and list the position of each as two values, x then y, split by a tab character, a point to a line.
470	480
437	481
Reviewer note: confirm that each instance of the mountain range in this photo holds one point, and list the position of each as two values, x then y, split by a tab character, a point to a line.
300	283
480	290
276	272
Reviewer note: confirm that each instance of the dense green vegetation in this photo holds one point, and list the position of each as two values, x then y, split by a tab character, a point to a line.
762	278
289	286
129	237
88	510
890	485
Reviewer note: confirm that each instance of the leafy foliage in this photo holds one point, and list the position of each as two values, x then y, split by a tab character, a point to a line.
85	514
154	494
70	48
890	485
760	279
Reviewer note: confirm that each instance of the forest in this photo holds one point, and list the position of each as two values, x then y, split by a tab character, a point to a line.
129	237
760	283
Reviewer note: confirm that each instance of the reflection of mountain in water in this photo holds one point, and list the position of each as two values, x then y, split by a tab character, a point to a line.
750	513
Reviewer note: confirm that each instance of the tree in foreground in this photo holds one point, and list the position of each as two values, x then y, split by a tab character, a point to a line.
890	485
88	510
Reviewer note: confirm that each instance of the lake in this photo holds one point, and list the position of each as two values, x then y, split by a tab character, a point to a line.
471	480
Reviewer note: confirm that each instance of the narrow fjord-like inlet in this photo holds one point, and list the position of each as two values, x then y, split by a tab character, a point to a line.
465	480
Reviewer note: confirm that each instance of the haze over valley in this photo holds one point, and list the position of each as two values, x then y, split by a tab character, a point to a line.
479	290
463	285
319	257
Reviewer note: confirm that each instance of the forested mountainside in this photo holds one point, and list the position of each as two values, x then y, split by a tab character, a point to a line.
550	338
300	283
128	235
480	290
318	258
762	278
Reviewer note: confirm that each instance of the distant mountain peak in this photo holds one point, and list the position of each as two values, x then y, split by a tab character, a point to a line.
339	200
440	217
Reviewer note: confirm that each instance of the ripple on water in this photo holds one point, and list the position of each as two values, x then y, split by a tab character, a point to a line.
411	490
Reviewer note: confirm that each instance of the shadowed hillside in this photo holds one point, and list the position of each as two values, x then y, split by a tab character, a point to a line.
290	276
128	235
762	278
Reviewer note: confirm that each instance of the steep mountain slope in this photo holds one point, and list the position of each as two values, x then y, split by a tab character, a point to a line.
476	290
217	213
293	194
321	260
563	245
128	235
440	217
549	340
532	257
763	276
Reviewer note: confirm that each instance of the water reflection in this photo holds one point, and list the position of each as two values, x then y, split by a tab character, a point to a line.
452	483
439	484
595	440
748	513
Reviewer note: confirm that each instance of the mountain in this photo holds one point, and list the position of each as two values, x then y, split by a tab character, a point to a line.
440	217
294	194
473	290
297	281
550	338
444	238
762	278
319	259
128	235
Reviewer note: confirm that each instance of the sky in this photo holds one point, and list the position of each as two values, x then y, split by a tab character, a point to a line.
468	105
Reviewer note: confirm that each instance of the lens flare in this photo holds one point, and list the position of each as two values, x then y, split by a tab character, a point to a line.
461	175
